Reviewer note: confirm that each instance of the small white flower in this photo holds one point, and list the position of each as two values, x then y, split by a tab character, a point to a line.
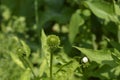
85	59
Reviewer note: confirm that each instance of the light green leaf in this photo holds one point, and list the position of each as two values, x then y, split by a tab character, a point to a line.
42	67
66	71
45	55
17	60
25	48
43	38
117	9
75	22
26	75
44	49
99	56
117	70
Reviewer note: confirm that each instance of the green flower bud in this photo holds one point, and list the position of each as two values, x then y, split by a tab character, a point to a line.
53	41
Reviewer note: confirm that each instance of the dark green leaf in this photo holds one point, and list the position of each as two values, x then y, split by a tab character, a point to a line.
102	9
99	56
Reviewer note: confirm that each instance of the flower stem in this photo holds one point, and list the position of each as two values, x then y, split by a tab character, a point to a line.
36	12
51	62
30	66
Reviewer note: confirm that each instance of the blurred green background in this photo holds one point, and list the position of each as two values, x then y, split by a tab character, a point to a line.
93	24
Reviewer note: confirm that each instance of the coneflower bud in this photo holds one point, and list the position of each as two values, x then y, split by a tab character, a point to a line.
53	41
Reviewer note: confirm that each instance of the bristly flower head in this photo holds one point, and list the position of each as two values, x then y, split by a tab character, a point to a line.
53	41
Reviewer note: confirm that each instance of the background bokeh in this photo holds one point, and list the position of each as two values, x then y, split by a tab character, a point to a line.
89	24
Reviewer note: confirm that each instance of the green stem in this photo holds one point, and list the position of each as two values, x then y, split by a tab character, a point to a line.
118	33
51	62
38	29
63	66
29	65
36	12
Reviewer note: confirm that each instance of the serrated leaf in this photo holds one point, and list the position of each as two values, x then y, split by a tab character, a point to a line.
75	22
99	56
44	49
116	56
17	60
43	39
117	53
45	55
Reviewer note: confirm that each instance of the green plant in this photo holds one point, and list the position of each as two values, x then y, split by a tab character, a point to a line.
53	43
87	45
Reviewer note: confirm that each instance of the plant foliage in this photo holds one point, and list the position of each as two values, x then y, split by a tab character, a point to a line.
84	29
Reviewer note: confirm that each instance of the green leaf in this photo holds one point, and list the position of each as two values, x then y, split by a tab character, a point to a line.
101	9
26	75
42	67
66	72
116	56
25	48
117	53
17	60
45	55
43	41
99	56
75	22
117	9
117	60
116	45
44	50
116	70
